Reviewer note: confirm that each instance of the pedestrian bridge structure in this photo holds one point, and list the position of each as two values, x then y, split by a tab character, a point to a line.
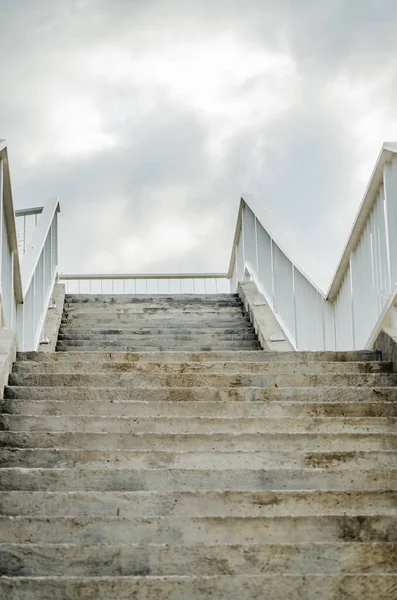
201	435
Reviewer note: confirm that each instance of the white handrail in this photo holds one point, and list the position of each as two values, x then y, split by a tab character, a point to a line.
154	283
110	276
27	212
26	286
363	291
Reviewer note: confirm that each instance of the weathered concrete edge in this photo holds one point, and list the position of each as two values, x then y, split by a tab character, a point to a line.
53	319
263	320
386	343
8	352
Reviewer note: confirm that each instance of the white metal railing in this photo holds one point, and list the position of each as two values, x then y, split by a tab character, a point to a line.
363	293
26	283
146	283
361	299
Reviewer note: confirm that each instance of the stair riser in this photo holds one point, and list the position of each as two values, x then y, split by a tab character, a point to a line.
148	312
360	587
198	379
237	356
312	442
193	409
202	367
180	425
177	314
150	302
108	459
130	298
242	328
203	504
141	349
162	322
168	480
157	340
206	530
238	394
157	345
133	560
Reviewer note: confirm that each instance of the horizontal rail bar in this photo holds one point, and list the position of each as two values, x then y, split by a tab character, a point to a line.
107	276
27	212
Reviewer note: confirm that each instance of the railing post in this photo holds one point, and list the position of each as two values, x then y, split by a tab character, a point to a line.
256	256
272	273
294	300
352	300
390	206
243	239
24	234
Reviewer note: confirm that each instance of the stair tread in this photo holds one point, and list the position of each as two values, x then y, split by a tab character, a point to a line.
233	367
239	587
183	355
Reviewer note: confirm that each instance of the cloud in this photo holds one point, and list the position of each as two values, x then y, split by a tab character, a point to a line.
150	119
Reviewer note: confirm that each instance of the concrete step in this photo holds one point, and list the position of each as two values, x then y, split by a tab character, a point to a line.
156	340
238	587
204	394
158	317
194	442
223	409
166	327
198	530
175	425
123	560
134	459
195	503
234	367
173	299
178	356
139	349
242	328
156	345
149	315
171	480
161	303
160	321
154	380
211	310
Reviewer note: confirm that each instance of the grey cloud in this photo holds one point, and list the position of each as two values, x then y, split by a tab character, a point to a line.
159	165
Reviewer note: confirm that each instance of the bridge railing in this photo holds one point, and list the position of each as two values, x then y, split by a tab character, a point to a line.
26	283
149	283
363	292
362	297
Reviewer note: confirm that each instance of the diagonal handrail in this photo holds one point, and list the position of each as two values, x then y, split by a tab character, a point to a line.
27	283
8	207
362	293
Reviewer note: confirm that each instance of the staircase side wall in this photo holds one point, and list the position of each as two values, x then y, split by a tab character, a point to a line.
267	329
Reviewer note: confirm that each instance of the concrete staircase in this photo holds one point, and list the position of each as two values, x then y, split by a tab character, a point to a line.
161	455
146	323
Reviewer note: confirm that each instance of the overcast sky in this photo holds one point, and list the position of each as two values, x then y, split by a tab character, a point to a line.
150	118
